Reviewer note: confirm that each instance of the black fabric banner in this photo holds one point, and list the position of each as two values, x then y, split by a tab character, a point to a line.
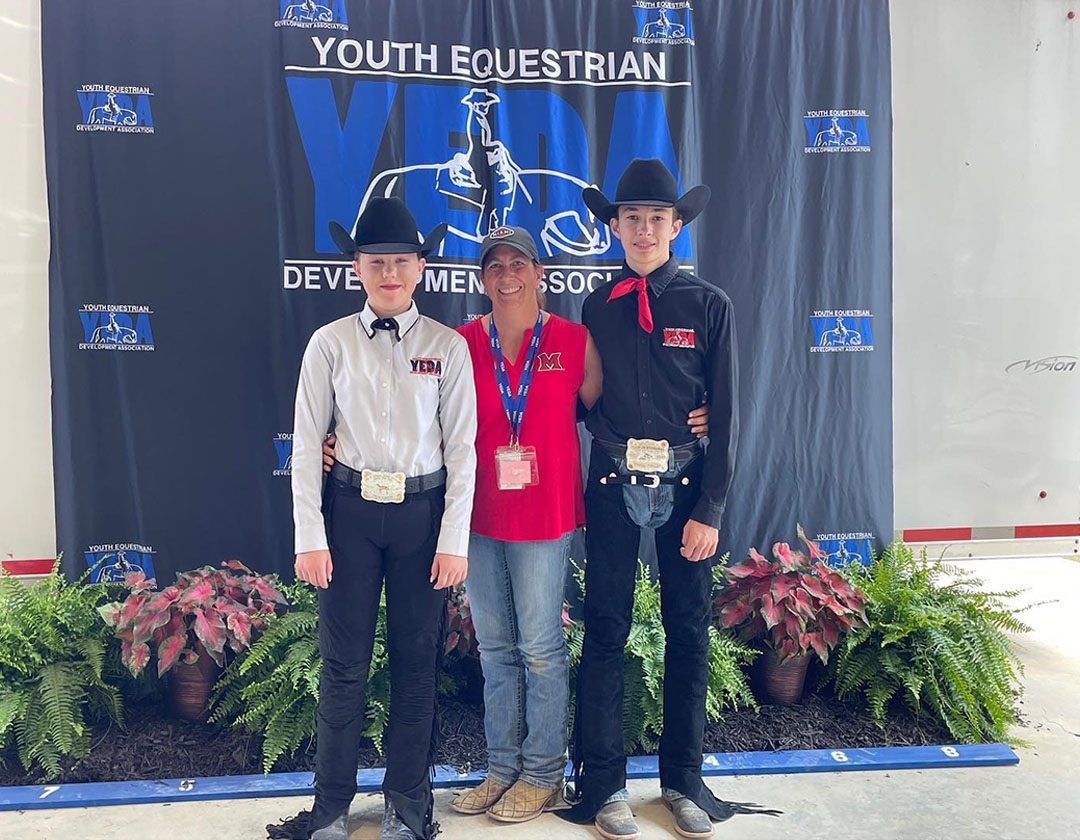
196	154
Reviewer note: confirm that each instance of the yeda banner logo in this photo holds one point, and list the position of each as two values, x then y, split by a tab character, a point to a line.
115	108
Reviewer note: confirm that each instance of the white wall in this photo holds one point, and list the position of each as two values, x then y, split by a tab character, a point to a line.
986	108
27	528
987	216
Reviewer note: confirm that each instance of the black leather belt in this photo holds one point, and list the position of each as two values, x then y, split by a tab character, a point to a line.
643	479
683	455
416	484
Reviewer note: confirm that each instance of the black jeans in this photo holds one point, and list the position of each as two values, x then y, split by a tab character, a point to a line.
611	541
368	542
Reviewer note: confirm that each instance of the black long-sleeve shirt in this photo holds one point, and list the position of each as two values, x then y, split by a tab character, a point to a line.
653	380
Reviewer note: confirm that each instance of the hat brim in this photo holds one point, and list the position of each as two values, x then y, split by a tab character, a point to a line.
689	206
348	245
434	239
598	204
342	239
693	202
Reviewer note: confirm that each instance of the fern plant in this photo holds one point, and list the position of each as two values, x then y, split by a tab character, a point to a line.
643	665
272	688
54	680
938	643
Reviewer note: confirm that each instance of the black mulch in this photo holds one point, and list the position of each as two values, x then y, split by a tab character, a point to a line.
157	746
819	723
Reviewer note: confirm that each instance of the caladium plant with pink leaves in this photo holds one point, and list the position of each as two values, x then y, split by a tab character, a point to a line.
460	632
218	608
795	601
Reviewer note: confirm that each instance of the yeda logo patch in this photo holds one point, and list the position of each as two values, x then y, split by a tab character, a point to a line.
115	108
109	326
309	14
426	367
112	563
663	22
837	131
283	446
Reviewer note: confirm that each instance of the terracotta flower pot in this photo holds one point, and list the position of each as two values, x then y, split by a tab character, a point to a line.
190	685
784	681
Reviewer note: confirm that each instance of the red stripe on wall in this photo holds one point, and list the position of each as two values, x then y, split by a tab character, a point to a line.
918	535
1028	532
1020	532
28	567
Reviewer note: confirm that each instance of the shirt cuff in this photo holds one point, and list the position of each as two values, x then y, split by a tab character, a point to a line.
708	513
311	538
453	541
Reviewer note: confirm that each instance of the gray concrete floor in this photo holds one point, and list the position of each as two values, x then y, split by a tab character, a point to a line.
1035	800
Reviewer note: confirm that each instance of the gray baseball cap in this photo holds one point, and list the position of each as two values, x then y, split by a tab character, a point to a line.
515	237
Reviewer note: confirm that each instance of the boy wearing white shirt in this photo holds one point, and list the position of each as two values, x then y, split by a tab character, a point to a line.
397	388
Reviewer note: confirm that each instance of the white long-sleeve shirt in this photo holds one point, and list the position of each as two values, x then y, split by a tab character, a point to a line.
402	406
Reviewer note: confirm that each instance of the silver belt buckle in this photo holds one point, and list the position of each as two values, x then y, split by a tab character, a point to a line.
647	456
383	487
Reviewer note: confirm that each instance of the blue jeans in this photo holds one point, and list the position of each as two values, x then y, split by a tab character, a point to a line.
516	596
648	507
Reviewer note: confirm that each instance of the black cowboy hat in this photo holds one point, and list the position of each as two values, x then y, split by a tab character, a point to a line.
386	227
648	183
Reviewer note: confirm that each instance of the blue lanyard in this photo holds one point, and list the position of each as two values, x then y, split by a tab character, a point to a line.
514	406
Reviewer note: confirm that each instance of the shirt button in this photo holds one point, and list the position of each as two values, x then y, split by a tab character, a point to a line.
645	394
384	384
384	414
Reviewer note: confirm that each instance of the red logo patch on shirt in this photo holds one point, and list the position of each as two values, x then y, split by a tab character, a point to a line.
678	337
427	367
549	361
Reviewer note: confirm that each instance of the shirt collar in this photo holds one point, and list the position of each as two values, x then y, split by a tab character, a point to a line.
658	278
406	320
